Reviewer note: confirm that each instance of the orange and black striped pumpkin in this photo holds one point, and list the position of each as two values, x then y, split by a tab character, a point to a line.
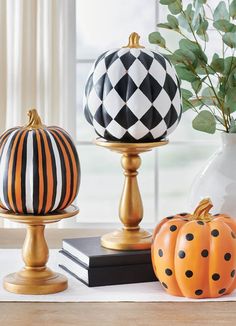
39	168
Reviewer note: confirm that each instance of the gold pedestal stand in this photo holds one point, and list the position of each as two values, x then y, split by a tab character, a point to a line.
36	277
131	236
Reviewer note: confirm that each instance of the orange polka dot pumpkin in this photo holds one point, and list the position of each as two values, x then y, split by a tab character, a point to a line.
194	255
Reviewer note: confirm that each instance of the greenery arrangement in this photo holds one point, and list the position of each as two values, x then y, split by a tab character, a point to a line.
212	91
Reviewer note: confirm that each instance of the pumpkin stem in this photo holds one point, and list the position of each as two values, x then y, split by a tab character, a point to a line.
202	211
34	120
133	41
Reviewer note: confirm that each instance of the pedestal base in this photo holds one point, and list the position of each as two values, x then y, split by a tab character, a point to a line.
35	282
127	240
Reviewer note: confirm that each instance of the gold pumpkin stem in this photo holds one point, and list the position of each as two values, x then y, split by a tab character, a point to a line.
34	120
134	41
202	211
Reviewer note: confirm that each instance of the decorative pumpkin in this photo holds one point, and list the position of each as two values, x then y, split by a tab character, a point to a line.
39	168
132	94
194	255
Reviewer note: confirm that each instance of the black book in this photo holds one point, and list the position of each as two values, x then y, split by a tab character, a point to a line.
89	252
106	275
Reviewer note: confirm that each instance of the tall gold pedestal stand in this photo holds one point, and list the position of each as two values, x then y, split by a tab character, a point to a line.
131	236
36	277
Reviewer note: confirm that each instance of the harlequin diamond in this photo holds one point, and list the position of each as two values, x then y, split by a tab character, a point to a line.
115	129
150	87
127	59
103	86
166	103
151	118
137	72
171	116
99	72
143	103
102	117
170	87
113	103
125	117
125	87
138	130
115	72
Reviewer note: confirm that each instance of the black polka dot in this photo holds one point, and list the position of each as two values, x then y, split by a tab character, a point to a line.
170	217
233	235
204	253
160	252
168	271
215	277
200	222
198	292
227	256
215	233
173	228
222	291
189	236
232	274
189	273
183	214
181	254
165	285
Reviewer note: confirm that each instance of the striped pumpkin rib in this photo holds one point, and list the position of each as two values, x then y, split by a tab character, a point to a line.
39	170
68	171
71	151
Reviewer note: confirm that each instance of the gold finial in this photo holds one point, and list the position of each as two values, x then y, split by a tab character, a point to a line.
202	211
34	120
134	41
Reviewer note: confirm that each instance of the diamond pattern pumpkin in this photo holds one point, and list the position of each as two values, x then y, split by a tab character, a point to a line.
132	94
194	255
39	168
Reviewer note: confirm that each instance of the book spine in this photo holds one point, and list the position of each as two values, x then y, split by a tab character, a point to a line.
117	275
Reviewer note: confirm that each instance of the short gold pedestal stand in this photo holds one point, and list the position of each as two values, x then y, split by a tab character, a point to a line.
130	237
36	277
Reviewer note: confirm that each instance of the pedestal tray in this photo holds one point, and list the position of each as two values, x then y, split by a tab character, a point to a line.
36	277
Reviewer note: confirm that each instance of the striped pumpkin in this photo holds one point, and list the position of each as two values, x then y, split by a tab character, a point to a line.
39	168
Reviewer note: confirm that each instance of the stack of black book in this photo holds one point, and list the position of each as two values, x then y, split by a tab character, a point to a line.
88	261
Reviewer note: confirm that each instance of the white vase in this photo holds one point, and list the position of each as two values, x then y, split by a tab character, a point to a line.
218	179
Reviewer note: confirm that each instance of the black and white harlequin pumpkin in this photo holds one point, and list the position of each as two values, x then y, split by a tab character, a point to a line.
132	95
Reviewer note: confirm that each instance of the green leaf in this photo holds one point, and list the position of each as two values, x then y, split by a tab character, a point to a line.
175	8
166	2
230	100
203	25
186	93
197	85
186	105
217	63
229	63
224	25
221	12
208	96
184	73
195	48
156	38
186	17
184	56
173	22
232	9
205	121
164	25
230	39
